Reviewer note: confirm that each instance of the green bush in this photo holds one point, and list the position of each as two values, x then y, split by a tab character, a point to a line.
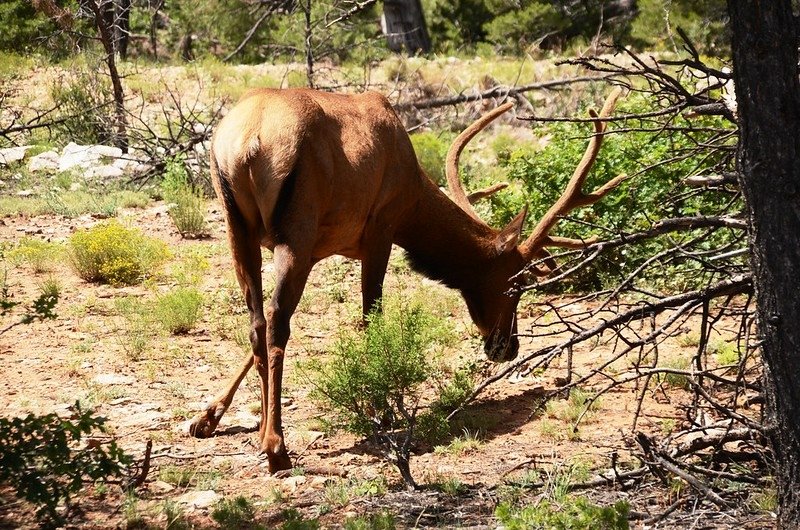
179	309
42	460
574	514
41	256
431	149
658	163
187	206
373	382
85	108
112	253
238	513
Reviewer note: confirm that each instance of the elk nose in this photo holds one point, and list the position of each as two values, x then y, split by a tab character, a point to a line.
501	349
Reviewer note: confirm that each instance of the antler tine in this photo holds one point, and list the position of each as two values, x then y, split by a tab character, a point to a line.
573	196
454	184
476	196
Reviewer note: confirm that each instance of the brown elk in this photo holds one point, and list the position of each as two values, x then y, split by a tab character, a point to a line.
310	174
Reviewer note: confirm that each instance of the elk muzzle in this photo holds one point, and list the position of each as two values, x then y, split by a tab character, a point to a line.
501	349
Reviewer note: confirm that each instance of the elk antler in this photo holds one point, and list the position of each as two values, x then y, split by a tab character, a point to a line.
573	197
457	192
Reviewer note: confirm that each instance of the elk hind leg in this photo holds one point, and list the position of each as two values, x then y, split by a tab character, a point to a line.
247	263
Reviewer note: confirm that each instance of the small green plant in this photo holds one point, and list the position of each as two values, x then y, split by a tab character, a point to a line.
179	309
294	520
676	380
112	253
373	382
579	405
460	445
41	256
136	329
42	461
449	485
382	520
238	512
188	476
726	354
176	518
187	207
85	108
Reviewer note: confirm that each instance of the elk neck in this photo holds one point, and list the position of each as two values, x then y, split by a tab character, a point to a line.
445	243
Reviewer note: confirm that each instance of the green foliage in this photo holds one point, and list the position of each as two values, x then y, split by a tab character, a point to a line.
294	520
574	514
238	512
657	164
85	112
41	459
382	520
373	382
41	308
431	149
706	24
515	30
22	28
41	256
179	309
112	253
187	204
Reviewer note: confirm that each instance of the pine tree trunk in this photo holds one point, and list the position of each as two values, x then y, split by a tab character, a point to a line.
768	96
404	26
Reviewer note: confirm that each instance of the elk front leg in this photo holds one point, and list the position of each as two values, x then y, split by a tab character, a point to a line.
373	271
291	269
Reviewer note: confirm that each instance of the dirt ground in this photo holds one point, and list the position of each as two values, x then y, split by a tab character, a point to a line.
84	354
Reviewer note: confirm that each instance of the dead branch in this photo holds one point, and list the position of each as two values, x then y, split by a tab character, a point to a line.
499	91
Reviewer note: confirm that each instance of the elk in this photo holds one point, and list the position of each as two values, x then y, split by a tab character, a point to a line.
309	174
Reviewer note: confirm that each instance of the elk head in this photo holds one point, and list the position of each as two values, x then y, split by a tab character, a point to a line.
492	299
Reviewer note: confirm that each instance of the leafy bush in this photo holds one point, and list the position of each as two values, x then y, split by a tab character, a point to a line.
112	253
238	512
431	149
179	309
85	108
575	514
40	458
187	206
653	192
373	381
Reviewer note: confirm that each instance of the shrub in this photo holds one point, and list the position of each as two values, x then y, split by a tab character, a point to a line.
41	459
41	256
179	309
112	253
431	149
373	382
85	108
187	207
238	512
575	513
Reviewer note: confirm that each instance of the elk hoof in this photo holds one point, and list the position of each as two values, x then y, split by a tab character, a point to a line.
279	462
204	424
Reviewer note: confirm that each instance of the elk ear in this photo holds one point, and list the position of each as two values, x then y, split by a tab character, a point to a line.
509	236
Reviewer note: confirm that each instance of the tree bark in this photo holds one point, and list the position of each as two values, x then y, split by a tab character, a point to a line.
764	46
404	26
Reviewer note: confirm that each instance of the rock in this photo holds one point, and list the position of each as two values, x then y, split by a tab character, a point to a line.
86	156
199	499
319	483
292	483
103	172
13	154
159	486
47	161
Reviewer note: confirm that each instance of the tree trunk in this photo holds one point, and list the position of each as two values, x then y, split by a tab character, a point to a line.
768	97
106	34
122	27
403	24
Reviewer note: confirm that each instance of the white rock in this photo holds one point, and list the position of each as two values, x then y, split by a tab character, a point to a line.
47	161
13	154
86	156
199	499
103	172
